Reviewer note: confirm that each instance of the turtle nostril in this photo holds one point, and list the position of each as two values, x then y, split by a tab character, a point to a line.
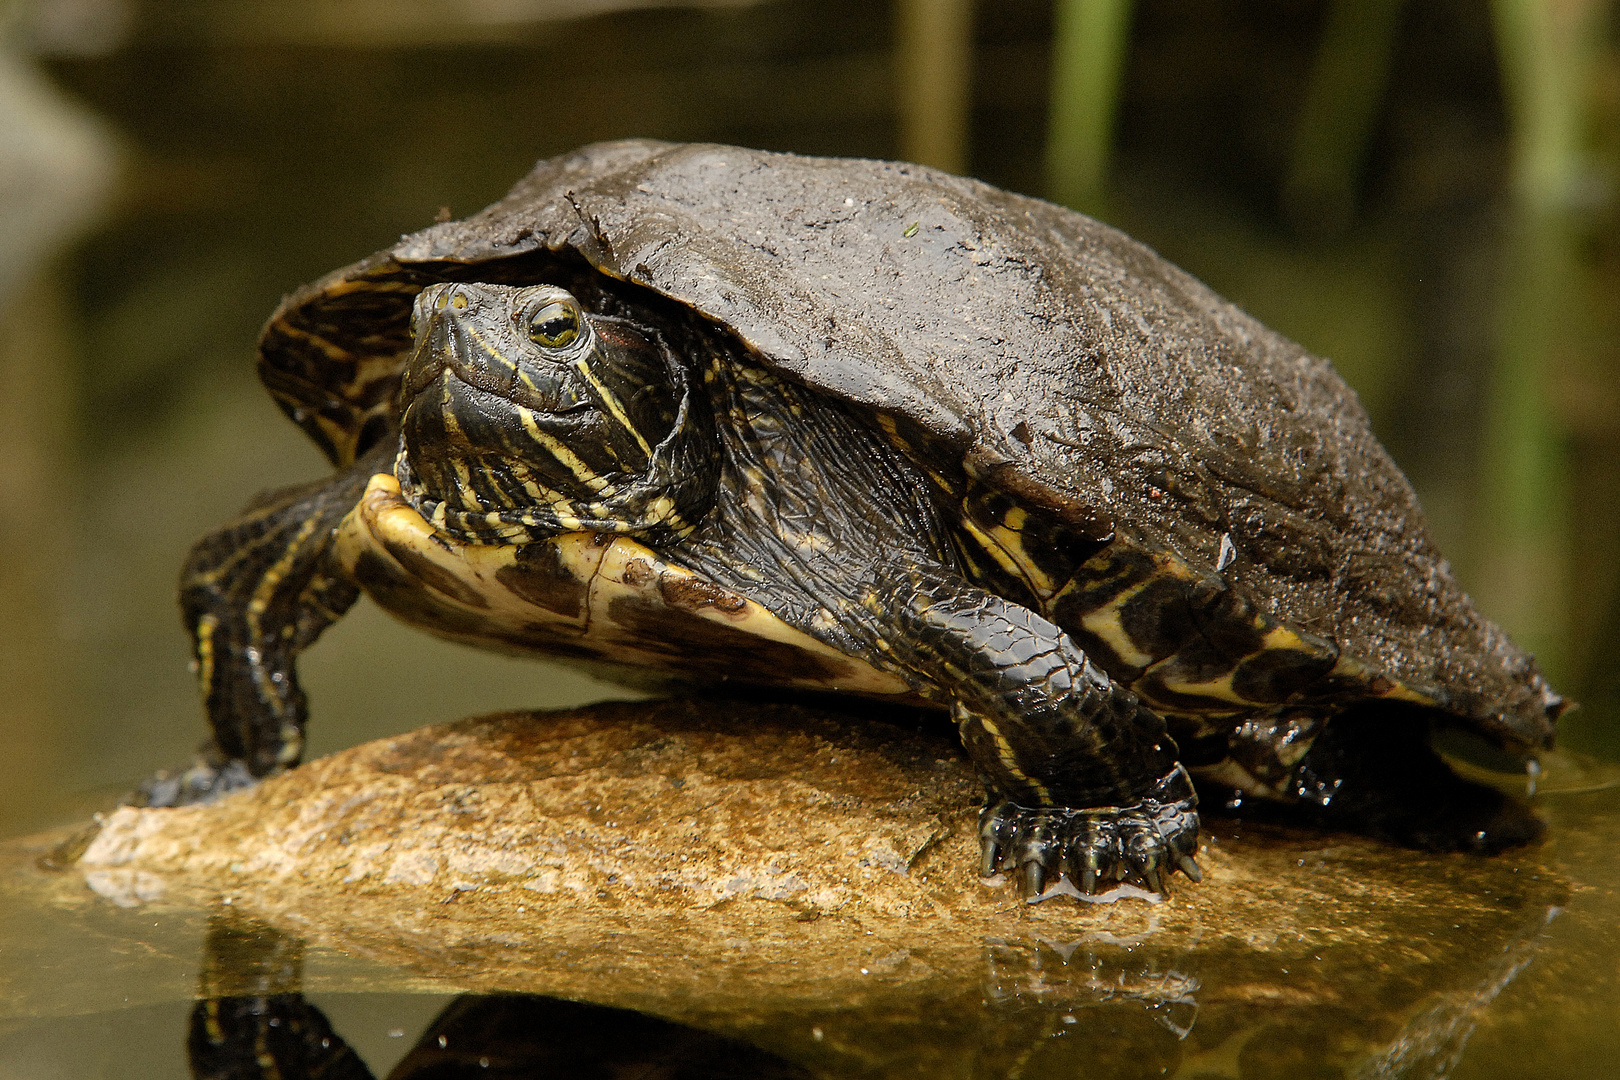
446	294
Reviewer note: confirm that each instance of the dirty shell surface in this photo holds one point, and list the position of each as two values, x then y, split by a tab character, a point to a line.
779	873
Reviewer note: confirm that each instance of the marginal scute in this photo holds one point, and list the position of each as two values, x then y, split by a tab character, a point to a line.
538	575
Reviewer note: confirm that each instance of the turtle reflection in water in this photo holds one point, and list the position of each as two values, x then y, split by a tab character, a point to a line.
865	427
272	1032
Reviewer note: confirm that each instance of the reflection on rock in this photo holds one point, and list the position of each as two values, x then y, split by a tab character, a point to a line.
1078	977
1432	1042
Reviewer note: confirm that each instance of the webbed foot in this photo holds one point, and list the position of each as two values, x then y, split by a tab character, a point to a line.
207	778
1097	848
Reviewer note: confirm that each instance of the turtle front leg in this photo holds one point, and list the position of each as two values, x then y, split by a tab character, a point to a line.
255	594
1084	780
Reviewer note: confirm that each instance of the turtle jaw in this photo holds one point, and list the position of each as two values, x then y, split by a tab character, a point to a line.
505	441
468	330
472	413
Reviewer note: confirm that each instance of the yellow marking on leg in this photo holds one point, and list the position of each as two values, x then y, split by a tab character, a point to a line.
1011	541
1217	689
263	593
1106	623
292	745
1005	544
991	548
205	653
1009	760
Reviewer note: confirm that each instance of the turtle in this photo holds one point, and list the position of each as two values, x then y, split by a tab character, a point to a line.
862	427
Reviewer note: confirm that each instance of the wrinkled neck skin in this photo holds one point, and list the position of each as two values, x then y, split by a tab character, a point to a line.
507	436
794	500
817	516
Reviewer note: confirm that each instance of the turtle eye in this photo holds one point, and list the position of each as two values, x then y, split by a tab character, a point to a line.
554	324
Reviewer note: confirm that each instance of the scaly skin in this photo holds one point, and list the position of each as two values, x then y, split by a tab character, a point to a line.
838	543
254	594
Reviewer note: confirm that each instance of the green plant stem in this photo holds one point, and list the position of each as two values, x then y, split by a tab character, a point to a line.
1089	41
934	69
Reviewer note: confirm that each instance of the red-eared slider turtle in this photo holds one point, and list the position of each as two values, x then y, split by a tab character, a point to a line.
866	427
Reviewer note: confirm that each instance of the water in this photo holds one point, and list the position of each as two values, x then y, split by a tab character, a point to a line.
1419	966
217	167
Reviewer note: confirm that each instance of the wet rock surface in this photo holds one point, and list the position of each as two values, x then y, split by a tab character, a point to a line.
777	873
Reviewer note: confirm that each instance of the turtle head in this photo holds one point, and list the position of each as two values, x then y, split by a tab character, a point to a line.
524	415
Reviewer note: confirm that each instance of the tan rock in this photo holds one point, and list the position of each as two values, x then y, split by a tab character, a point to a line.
730	862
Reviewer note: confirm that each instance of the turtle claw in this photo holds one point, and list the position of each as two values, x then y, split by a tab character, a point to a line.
207	778
1140	845
1033	879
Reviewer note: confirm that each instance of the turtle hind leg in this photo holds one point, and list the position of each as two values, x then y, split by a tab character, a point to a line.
255	594
1372	770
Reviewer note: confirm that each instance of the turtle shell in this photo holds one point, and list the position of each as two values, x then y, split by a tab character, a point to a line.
1061	360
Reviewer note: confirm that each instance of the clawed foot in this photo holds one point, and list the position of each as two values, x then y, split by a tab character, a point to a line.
1096	848
206	779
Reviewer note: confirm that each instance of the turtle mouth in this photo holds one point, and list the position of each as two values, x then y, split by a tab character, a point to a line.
506	442
476	421
455	333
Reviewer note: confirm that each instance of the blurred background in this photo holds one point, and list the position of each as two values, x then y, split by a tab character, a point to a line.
1423	191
